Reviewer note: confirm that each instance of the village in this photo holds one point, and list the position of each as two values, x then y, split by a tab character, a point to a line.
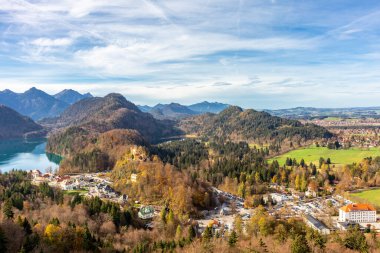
322	213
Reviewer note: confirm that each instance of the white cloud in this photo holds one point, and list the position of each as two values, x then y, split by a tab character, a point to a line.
177	50
46	42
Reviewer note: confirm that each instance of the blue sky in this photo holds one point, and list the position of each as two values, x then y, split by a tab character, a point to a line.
256	54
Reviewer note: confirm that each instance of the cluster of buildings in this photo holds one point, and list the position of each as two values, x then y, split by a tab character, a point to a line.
94	183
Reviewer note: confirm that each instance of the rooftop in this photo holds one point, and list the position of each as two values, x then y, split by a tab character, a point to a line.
357	207
318	224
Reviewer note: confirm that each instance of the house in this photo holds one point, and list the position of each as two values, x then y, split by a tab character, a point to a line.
316	224
146	212
357	213
279	198
36	174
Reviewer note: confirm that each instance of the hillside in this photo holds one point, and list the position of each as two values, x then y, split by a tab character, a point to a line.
33	103
71	96
14	125
171	111
237	124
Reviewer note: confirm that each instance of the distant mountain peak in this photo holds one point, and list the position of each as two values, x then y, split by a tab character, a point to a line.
71	96
34	90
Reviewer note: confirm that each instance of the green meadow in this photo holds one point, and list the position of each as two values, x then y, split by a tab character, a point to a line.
367	196
73	192
342	156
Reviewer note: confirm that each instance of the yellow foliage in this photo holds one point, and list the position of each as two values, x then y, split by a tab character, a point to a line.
53	233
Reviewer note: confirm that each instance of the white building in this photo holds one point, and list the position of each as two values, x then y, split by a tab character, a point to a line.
279	198
358	213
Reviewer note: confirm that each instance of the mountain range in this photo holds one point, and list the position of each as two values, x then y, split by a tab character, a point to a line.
175	111
37	104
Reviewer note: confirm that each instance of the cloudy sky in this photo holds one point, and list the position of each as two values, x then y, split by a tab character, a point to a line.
253	53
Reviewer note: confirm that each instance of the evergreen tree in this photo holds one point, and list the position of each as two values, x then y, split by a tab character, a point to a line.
178	232
207	234
7	209
355	239
26	226
233	238
299	245
191	233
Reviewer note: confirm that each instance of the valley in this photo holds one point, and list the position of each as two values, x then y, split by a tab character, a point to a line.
214	174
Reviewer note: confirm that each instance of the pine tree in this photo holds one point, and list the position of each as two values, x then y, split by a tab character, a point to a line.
26	226
7	209
207	234
232	240
191	233
178	232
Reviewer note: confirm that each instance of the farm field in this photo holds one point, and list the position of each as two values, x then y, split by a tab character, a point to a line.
367	196
313	153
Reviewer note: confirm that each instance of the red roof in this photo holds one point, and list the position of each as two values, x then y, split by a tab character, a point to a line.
357	207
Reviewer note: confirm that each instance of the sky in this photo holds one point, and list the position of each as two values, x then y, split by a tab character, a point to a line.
253	53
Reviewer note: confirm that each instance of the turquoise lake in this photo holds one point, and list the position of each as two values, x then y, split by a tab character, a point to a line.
26	155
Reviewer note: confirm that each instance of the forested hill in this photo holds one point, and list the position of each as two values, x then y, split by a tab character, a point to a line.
237	124
114	112
14	125
95	133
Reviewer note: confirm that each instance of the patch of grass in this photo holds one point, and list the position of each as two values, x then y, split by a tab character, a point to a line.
367	196
73	192
341	156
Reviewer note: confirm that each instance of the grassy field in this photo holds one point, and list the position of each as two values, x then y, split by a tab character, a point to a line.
344	156
369	196
72	192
